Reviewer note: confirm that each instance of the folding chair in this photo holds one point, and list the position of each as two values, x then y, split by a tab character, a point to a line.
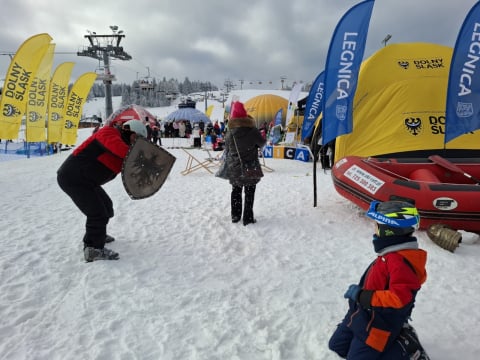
262	162
194	164
214	159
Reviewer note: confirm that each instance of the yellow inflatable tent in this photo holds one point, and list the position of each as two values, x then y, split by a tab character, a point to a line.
263	108
399	105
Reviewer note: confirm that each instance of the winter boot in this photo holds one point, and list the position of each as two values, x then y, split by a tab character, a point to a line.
246	222
236	203
408	340
248	206
93	254
236	219
109	239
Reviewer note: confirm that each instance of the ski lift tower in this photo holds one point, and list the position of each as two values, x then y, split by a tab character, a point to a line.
102	48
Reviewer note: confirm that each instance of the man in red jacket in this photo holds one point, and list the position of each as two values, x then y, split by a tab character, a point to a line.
376	324
93	163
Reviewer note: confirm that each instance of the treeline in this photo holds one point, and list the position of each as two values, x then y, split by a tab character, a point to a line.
150	92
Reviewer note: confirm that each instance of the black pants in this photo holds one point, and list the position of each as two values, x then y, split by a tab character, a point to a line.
92	201
236	202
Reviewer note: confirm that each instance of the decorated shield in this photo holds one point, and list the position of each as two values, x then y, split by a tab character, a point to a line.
145	169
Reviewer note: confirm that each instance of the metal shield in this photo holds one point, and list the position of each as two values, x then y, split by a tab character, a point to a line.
145	169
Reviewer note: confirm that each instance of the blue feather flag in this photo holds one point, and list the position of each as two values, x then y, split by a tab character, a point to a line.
462	114
344	58
314	105
278	117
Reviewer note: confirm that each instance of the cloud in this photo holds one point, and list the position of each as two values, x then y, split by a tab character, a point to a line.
216	40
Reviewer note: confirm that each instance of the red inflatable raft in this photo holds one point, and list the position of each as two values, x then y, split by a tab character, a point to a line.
445	191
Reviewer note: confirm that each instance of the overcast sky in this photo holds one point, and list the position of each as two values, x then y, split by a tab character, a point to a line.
215	40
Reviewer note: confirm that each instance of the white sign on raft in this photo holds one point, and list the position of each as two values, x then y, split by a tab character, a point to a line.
364	179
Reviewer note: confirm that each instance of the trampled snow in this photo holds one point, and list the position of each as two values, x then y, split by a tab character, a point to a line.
191	285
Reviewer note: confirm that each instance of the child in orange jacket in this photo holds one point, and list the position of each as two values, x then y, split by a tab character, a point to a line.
376	324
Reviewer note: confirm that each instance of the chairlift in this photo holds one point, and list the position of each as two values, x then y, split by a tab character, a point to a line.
104	76
146	84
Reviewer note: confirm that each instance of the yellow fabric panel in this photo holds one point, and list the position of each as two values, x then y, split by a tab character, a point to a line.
209	111
295	126
73	109
402	117
58	95
18	79
400	103
397	62
38	99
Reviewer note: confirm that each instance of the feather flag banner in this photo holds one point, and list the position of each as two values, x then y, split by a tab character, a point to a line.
20	74
462	114
344	58
73	108
292	102
313	107
57	99
209	111
38	99
278	117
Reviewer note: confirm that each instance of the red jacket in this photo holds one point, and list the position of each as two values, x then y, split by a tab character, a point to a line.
392	281
100	157
113	148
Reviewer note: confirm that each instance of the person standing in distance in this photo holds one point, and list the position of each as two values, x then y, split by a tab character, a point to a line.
242	143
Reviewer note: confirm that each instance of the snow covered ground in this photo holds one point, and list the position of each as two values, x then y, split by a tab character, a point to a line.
191	285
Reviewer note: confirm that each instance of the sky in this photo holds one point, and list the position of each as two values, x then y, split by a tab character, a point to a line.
190	285
244	42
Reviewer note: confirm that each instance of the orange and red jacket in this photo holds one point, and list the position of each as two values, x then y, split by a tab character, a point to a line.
389	287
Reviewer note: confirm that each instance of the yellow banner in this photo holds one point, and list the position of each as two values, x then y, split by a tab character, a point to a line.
209	111
73	110
57	99
38	99
18	79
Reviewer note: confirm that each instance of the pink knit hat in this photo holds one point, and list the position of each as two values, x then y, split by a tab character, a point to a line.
238	111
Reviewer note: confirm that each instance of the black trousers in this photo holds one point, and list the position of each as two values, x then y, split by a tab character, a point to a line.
93	202
236	202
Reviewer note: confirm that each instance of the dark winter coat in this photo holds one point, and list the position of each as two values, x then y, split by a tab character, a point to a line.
243	135
389	287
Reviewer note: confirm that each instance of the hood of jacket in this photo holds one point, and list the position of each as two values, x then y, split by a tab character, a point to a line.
418	259
241	122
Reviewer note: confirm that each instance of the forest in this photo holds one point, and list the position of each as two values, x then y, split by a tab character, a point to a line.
150	92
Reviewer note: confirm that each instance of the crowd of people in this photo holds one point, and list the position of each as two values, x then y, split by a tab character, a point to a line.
184	128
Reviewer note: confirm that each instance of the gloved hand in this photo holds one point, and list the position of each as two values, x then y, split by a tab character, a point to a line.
352	292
